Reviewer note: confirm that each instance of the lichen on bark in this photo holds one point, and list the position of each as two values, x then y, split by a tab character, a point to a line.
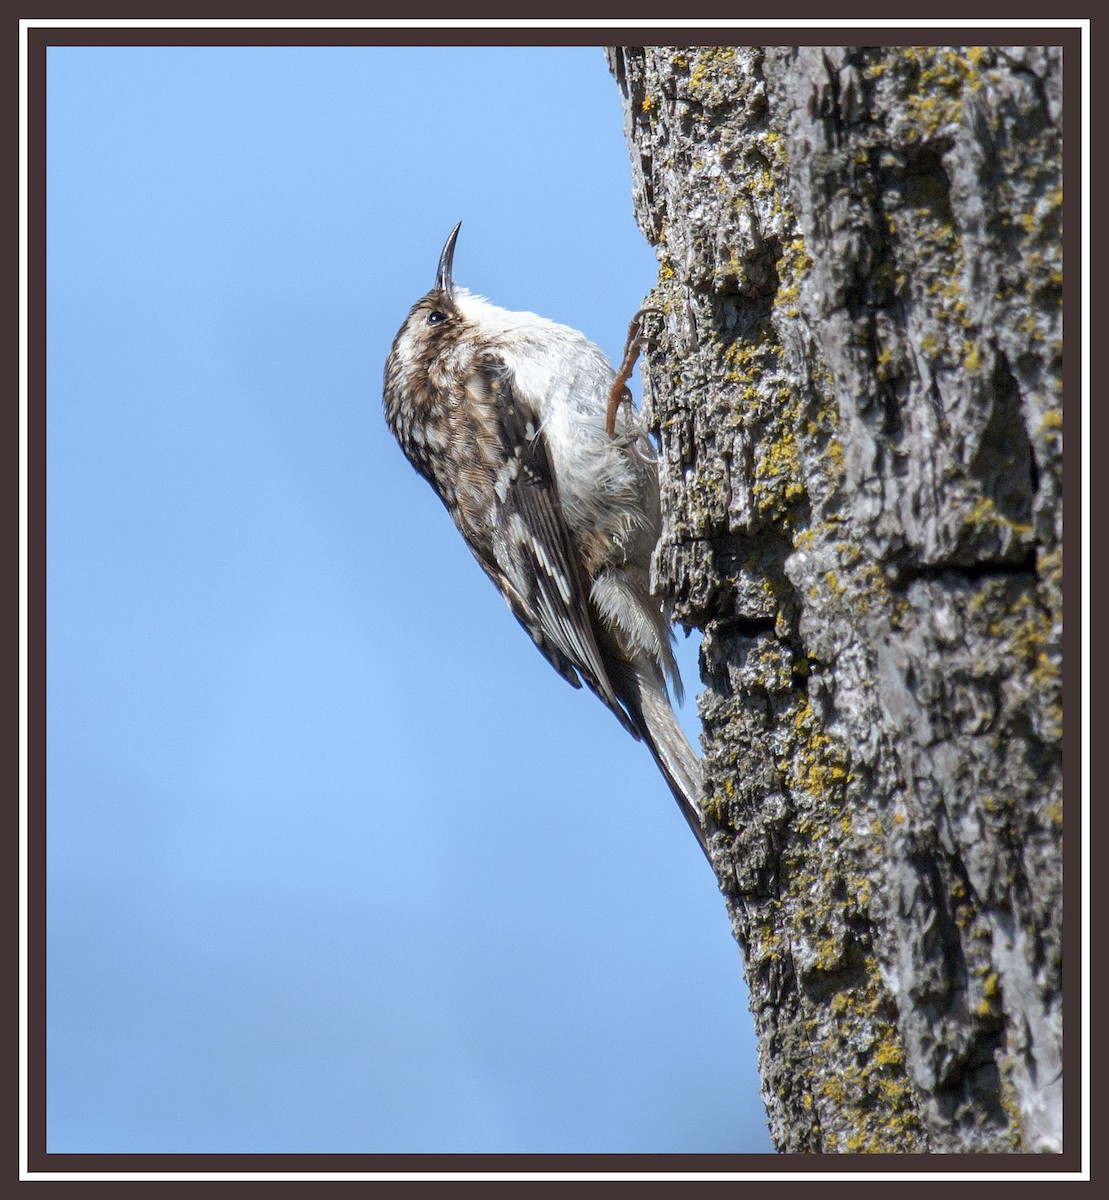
858	395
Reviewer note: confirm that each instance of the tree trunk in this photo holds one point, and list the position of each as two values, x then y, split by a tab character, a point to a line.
857	388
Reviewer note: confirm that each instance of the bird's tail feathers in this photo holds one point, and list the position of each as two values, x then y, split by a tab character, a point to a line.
653	716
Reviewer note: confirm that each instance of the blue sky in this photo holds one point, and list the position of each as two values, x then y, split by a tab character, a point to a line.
337	863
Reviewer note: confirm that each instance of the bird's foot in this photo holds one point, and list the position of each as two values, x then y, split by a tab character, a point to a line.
619	394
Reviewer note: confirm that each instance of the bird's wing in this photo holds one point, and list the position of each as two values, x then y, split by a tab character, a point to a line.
540	572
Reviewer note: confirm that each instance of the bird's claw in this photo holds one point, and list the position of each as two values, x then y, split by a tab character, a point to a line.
637	335
619	394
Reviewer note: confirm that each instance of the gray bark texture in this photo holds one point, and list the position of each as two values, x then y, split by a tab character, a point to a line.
857	386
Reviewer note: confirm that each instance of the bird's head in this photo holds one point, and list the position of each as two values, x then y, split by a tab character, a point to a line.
432	329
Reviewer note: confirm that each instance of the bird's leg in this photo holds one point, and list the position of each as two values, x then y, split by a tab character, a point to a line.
618	393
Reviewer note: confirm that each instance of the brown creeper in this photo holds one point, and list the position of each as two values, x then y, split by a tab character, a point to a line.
505	415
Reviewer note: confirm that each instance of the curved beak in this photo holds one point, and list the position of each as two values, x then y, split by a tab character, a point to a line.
443	281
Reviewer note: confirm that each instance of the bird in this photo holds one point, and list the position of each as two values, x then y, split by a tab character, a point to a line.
511	418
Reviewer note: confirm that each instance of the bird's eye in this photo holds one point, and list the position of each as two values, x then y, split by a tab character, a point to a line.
436	317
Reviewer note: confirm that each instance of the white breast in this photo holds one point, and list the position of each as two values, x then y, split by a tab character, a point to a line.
567	378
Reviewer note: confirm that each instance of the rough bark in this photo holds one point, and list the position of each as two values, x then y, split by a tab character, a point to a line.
857	389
